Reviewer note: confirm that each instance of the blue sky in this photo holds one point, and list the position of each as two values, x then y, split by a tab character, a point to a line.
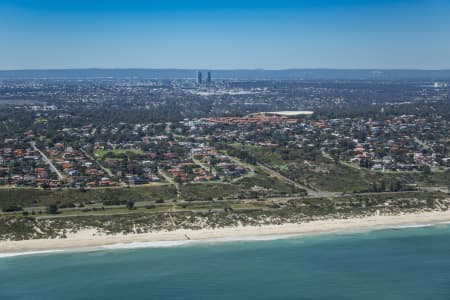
225	34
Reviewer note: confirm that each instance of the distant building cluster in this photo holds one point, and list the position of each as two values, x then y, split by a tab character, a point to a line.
440	85
199	79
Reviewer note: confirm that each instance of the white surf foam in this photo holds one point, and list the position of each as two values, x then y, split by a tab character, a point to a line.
12	254
160	244
166	244
412	226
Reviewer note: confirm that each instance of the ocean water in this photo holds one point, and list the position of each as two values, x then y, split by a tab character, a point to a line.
410	263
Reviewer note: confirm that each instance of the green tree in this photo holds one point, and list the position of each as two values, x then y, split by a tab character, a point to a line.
130	205
52	209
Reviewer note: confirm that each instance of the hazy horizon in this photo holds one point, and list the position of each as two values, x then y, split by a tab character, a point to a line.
228	69
239	74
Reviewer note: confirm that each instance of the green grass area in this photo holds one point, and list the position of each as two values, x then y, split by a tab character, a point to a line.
39	197
310	168
274	184
217	205
208	191
260	185
144	207
102	154
439	178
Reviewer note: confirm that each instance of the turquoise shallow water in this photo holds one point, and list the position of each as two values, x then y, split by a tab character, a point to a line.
412	263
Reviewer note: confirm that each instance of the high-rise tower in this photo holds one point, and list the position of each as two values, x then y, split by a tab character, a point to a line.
199	77
208	78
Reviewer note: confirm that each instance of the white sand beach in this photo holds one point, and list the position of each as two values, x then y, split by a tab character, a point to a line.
89	238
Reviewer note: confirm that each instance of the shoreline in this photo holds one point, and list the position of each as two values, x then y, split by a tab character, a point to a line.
90	240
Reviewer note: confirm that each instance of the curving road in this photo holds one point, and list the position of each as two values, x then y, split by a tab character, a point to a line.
48	161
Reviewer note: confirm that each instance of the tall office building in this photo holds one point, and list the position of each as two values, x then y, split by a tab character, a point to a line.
199	77
208	78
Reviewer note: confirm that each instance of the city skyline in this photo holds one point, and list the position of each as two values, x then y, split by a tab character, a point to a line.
200	35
